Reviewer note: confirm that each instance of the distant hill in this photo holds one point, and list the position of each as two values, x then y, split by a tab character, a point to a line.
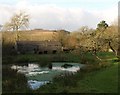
36	35
30	35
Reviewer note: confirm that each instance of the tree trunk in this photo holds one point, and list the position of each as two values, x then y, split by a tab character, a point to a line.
112	48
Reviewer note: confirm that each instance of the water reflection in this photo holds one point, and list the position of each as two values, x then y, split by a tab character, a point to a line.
38	76
33	84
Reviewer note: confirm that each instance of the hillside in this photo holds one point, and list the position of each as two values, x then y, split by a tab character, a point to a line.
36	35
31	35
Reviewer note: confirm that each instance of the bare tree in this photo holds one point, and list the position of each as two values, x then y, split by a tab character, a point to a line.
83	29
17	21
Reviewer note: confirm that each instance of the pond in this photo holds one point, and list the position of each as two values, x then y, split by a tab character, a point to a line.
38	76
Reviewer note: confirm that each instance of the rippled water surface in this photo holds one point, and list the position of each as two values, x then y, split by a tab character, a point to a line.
38	76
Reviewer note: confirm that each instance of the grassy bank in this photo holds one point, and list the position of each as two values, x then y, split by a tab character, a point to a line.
97	77
102	80
13	82
44	59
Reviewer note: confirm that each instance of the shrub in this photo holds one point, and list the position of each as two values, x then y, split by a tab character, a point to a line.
13	82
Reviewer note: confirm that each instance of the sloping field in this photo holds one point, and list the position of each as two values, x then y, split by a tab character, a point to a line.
37	35
32	35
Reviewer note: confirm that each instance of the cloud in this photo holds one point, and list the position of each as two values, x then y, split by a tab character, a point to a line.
110	15
50	16
5	13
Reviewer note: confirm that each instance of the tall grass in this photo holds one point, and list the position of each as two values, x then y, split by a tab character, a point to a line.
13	82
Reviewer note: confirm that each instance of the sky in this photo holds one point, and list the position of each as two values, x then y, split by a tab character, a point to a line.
61	14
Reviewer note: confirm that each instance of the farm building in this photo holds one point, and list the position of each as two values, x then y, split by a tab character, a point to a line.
38	47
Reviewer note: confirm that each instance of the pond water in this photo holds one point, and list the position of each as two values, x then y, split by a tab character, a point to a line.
38	76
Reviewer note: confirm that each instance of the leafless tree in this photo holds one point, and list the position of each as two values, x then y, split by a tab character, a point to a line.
17	21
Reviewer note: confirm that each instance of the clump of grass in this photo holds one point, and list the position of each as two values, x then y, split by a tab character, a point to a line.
66	80
88	58
90	68
26	58
7	60
60	58
23	60
13	82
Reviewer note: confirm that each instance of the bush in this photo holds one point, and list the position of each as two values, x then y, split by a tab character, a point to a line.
88	58
13	82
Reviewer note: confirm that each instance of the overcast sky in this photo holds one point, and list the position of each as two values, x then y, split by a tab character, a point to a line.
61	14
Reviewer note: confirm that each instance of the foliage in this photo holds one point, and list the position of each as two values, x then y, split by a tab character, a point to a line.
104	38
91	39
13	82
102	26
61	36
71	42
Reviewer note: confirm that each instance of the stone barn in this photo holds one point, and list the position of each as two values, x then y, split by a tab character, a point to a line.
38	47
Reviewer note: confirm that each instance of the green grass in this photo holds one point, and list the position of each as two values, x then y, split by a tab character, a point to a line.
103	80
92	79
42	59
